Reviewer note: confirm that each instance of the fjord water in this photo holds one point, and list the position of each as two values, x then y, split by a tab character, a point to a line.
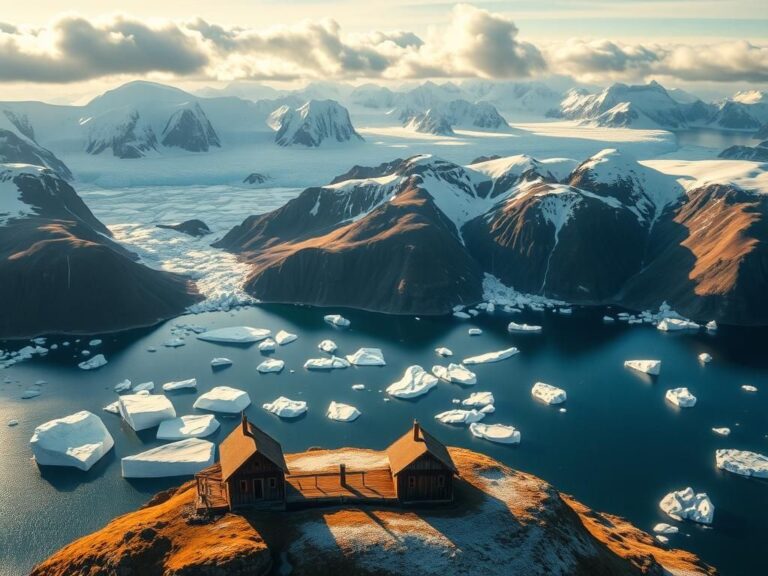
618	448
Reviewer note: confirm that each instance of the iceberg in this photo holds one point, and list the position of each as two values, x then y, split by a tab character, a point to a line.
328	346
721	431
455	373
491	356
415	382
337	320
223	399
461	315
681	397
123	386
216	362
180	384
285	407
358	387
480	399
749	388
182	458
342	412
174	342
705	358
499	433
676	324
112	408
652	367
367	357
143	387
442	351
458	416
95	342
711	326
664	528
191	426
78	440
267	345
687	505
523	328
271	365
474	331
91	364
742	462
235	335
609	319
548	393
283	337
326	363
142	411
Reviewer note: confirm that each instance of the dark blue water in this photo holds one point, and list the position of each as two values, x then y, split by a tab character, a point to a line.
619	447
716	139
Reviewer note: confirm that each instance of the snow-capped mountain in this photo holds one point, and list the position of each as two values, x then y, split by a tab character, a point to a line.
123	132
517	98
743	111
314	123
373	97
18	146
757	153
190	129
442	117
418	236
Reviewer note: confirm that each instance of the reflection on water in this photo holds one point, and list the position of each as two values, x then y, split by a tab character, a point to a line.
619	447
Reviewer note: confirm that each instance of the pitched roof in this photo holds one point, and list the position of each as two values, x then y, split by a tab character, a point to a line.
245	441
413	444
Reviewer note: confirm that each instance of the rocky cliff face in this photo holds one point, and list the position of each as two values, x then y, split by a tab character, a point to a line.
123	132
503	522
315	122
20	149
189	129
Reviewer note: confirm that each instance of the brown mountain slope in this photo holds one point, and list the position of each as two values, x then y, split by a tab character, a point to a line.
503	522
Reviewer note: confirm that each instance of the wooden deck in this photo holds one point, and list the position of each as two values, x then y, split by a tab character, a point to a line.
373	485
214	497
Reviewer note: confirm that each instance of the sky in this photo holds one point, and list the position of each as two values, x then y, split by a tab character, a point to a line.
707	46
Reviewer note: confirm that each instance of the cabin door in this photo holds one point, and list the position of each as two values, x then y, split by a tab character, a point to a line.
258	489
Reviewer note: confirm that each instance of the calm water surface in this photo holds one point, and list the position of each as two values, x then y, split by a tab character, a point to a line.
717	139
619	447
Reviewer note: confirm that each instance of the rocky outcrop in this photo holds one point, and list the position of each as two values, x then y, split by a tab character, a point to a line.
315	122
255	178
61	271
195	228
757	153
20	149
503	522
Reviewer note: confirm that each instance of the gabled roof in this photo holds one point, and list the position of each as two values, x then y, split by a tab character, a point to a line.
245	441
414	444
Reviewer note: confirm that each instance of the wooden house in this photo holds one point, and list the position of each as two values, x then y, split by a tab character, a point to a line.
422	469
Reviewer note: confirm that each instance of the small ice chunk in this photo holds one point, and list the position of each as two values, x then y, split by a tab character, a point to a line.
85	353
142	411
30	393
722	431
474	331
681	397
523	328
283	337
13	422
608	319
151	349
180	384
174	342
742	462
367	357
328	346
499	433
95	342
461	315
479	399
123	386
182	458
190	426
337	320
458	416
223	399
749	388
334	362
285	407
78	440
358	386
267	345
92	363
342	412
711	326
271	365
548	393
491	356
664	528
565	311
442	351
415	382
235	335
113	408
652	367
676	325
148	386
216	362
455	373
687	505
705	358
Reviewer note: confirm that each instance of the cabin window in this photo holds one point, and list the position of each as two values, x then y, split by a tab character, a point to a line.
441	481
243	486
273	482
411	481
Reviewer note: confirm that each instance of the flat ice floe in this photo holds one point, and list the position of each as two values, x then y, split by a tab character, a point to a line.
480	399
523	328
742	462
474	331
687	505
332	363
271	365
676	325
749	388
327	346
367	357
443	351
458	416
182	458
681	397
235	335
93	363
268	345
415	382
174	343
548	394
283	337
190	426
461	315
78	440
285	407
455	373
342	412
500	433
143	387
491	356
218	362
337	320
664	528
112	407
652	367
722	431
189	383
142	411
123	386
223	399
